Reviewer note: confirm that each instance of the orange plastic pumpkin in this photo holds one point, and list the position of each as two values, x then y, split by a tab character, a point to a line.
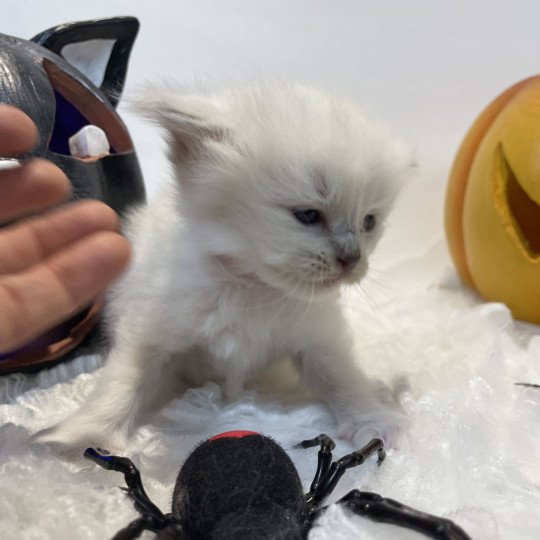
492	214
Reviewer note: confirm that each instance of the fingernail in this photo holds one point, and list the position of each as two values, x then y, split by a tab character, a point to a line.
8	163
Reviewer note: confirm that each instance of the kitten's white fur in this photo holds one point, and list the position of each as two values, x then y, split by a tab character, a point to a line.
225	278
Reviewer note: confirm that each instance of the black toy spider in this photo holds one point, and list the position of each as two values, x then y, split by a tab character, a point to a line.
241	485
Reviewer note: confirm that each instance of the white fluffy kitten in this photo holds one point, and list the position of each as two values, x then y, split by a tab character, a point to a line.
279	196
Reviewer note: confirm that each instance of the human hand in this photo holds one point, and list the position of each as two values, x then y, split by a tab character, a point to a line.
53	264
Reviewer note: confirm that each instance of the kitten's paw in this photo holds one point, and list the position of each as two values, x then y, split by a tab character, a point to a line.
73	435
383	423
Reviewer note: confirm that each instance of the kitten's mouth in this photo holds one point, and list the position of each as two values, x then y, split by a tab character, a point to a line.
334	281
331	282
345	277
298	287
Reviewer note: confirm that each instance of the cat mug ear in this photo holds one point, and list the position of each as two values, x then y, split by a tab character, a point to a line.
99	48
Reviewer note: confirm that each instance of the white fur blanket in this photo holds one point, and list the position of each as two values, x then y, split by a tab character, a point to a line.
472	453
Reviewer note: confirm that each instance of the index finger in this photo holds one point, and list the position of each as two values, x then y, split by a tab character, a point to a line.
18	134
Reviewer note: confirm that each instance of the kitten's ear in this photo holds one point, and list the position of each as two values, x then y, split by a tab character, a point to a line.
189	120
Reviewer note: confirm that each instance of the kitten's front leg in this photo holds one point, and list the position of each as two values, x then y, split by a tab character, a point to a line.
129	379
331	372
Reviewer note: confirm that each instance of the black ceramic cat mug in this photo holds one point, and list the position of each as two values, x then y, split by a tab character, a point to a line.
68	80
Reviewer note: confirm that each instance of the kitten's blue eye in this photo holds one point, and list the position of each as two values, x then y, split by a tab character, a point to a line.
369	222
310	216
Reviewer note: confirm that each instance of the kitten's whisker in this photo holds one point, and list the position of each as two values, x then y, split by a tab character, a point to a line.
283	295
308	305
393	280
370	282
300	298
388	273
287	296
390	285
310	298
371	302
259	305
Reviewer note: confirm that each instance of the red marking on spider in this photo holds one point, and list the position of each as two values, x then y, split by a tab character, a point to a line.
233	435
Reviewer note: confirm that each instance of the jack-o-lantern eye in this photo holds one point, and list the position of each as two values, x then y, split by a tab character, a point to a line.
524	213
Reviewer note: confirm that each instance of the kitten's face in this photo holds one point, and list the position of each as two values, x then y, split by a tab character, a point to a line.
304	226
284	185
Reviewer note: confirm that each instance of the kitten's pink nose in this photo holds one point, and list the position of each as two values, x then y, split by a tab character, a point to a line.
347	261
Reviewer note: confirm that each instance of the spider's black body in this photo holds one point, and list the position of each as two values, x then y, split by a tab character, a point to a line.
239	487
242	485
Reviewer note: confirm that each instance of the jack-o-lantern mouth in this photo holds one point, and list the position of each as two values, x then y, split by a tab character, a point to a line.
515	205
